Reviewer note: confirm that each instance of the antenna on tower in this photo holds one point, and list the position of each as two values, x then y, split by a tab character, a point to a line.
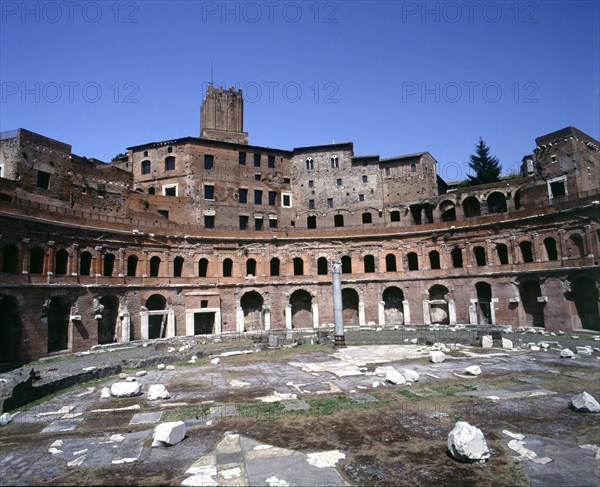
211	71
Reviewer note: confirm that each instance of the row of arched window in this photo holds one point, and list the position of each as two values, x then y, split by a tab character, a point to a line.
525	253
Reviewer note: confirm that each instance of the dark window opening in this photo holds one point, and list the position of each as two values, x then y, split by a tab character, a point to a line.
169	163
145	167
258	197
257	160
227	267
322	266
203	267
346	264
390	263
298	267
274	266
479	256
209	161
43	179
209	192
272	222
243	222
258	224
271	162
367	218
395	216
154	266
250	267
164	213
311	204
243	195
311	222
434	259
204	303
242	158
457	260
170	190
502	251
557	188
209	221
338	221
369	263
526	251
413	261
272	198
177	266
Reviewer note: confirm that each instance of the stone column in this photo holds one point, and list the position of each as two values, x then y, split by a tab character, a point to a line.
50	259
239	319
170	331
589	240
144	323
473	312
361	314
445	257
513	250
125	326
490	254
381	313
26	255
98	265
452	311
562	240
145	263
74	260
122	262
406	311
535	242
315	315
288	316
338	307
267	317
426	312
493	310
468	258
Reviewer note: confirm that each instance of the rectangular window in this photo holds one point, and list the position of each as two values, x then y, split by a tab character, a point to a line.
169	149
329	202
286	200
43	179
271	162
209	221
257	160
388	171
258	223
272	222
338	182
170	190
164	213
204	303
257	177
311	204
365	179
272	198
243	193
145	167
243	222
170	163
311	183
258	197
242	158
209	160
145	153
361	197
209	192
286	180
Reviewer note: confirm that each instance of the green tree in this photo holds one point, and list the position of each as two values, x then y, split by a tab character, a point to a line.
486	167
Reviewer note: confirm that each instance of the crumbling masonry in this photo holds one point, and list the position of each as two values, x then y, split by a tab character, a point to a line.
200	236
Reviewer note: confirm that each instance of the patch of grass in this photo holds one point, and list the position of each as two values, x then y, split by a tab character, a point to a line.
186	412
413	397
261	411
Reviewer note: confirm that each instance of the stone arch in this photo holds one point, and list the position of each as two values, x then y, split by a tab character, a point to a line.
155	266
109	264
585	295
517	199
529	292
301	302
10	330
393	306
412	261
107	316
575	246
438	304
252	307
58	317
132	264
36	260
322	266
203	267
275	266
496	202
85	263
484	303
346	264
480	257
526	249
156	322
251	267
369	263
350	301
448	211
178	266
434	259
298	264
10	259
390	263
61	263
550	248
227	267
471	207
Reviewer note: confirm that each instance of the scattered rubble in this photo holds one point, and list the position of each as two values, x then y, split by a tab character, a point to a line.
473	370
584	403
410	375
394	377
158	391
215	361
125	389
436	356
168	434
467	444
566	353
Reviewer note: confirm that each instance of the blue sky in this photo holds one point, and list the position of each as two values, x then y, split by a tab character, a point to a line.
392	77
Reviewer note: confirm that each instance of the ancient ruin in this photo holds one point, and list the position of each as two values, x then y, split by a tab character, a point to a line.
211	235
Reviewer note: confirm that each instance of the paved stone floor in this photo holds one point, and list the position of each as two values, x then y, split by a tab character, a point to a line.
79	430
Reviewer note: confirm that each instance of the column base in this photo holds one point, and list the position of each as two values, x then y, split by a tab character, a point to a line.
339	341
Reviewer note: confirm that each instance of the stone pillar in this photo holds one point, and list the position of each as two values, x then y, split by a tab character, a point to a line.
589	240
406	311
74	260
426	312
98	265
562	240
288	316
50	259
145	263
239	319
468	258
123	264
361	314
473	312
445	257
513	250
315	315
381	313
26	255
452	311
170	331
490	254
125	335
338	306
535	250
267	317
144	323
493	310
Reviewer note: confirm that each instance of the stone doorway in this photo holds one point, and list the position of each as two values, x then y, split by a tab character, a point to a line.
10	330
252	307
350	306
393	298
58	316
204	323
585	295
301	302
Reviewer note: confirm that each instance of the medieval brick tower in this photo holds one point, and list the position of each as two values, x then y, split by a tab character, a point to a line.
222	116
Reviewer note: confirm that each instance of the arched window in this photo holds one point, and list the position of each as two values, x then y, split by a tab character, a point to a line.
169	163
177	266
154	266
502	251
335	162
85	264
448	211
109	265
36	262
550	246
322	266
434	259
203	267
575	246
10	259
346	264
275	264
310	163
413	168
132	262
369	263
471	207
457	259
390	263
298	266
496	203
526	251
251	267
62	260
227	267
413	261
479	253
151	190
145	167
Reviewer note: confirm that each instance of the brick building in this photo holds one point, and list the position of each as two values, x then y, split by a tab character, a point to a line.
199	236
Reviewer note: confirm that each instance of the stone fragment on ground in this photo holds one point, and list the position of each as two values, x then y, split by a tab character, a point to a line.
168	434
105	394
157	392
141	373
410	375
125	389
566	353
506	343
466	443
394	377
487	341
437	357
215	361
585	403
161	366
473	370
5	419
